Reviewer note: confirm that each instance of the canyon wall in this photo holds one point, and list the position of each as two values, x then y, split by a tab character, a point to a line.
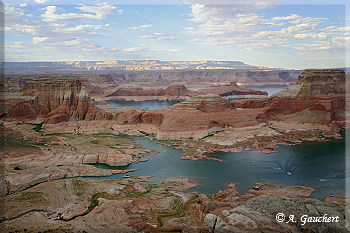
56	100
320	93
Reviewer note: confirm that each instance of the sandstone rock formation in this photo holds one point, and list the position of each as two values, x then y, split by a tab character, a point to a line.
56	100
318	93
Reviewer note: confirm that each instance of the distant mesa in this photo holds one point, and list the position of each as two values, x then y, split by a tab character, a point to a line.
174	90
180	90
115	65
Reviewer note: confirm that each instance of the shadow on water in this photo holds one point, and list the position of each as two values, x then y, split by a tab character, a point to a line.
318	165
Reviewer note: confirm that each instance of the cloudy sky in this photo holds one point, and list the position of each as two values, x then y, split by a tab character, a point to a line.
273	33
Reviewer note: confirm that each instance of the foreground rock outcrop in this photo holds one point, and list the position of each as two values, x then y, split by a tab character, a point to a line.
56	100
29	157
133	205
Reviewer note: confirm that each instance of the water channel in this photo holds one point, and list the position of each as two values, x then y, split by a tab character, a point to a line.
318	165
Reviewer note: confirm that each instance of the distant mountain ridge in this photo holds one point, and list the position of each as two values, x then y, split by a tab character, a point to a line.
121	65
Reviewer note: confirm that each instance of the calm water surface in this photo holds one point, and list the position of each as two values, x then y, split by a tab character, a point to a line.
159	104
151	104
319	165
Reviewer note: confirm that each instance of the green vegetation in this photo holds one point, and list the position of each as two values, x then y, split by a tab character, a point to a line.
94	199
190	151
13	141
38	127
113	141
31	196
79	186
144	133
208	136
178	209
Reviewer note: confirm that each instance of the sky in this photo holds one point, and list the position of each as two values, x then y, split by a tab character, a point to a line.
274	33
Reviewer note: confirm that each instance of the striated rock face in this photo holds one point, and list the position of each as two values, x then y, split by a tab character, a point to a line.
252	103
57	100
115	159
317	91
229	90
258	215
205	103
128	117
177	90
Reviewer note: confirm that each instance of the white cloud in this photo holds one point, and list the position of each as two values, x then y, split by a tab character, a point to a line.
100	9
41	1
98	12
58	32
38	40
14	15
286	18
222	23
79	29
158	36
140	27
17	45
144	50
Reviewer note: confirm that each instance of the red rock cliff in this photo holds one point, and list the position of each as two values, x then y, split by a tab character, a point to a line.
320	92
56	100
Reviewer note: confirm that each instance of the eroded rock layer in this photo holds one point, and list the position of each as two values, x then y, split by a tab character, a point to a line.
56	100
320	93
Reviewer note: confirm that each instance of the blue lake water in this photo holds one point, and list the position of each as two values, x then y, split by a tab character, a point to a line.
151	104
318	165
160	104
